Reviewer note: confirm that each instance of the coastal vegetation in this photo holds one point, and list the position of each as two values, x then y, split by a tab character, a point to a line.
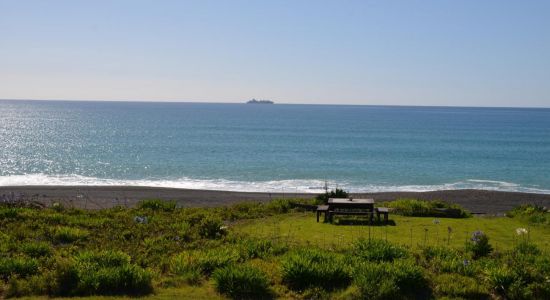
272	250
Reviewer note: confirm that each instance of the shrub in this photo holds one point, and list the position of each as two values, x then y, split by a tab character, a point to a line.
337	193
458	286
66	235
102	273
308	268
36	249
241	282
158	205
58	207
479	245
184	231
499	279
211	227
19	266
377	250
391	280
432	252
526	248
526	209
531	213
531	273
423	208
442	259
9	212
408	276
374	284
453	265
104	259
281	206
203	262
56	218
259	248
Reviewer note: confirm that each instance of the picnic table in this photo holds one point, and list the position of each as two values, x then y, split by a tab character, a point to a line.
349	206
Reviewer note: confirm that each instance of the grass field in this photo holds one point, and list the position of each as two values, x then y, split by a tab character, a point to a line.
188	292
251	250
413	232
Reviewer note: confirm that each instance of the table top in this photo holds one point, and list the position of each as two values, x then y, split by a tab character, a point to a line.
350	201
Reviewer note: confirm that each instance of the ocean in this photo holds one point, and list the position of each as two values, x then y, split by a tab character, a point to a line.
276	148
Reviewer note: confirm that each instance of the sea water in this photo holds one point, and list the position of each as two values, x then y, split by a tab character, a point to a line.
276	148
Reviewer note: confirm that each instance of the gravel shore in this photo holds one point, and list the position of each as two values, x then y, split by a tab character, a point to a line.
97	197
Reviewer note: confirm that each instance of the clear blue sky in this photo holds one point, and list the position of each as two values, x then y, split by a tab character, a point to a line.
480	53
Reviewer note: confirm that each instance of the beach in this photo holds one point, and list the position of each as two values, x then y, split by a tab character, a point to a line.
98	197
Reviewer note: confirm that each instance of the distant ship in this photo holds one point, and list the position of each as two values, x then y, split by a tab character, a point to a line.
254	101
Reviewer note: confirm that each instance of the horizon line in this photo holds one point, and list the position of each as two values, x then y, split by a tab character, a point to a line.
275	103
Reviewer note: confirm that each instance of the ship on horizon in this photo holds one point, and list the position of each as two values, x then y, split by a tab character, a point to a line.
254	101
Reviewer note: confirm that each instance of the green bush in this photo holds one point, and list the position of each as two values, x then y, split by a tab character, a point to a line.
203	262
499	279
9	212
306	268
39	284
102	273
526	209
66	235
36	249
58	207
479	245
241	282
374	284
526	248
431	252
458	286
157	205
530	273
440	259
259	248
423	208
531	213
211	227
377	250
19	266
282	206
336	193
400	279
254	210
184	231
106	258
408	276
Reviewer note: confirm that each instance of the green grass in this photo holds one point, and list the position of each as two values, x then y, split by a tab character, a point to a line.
187	292
177	251
302	229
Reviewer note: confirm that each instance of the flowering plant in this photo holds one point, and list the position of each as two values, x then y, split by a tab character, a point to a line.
521	231
478	244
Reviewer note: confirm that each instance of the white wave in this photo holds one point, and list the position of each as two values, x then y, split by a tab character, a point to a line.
274	186
493	182
289	186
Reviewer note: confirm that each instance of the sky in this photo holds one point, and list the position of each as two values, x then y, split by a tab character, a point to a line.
428	52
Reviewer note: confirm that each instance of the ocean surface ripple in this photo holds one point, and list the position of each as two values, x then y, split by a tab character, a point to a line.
276	148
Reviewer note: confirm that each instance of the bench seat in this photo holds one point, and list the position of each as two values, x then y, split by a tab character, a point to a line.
350	213
322	209
382	211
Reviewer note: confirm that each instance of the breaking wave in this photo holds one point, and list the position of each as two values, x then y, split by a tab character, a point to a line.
281	186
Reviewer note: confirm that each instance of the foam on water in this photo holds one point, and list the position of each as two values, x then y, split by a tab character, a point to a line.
275	186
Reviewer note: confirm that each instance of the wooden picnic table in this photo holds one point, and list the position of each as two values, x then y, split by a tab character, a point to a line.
345	206
351	203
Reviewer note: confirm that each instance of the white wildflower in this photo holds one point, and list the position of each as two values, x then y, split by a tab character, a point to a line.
521	231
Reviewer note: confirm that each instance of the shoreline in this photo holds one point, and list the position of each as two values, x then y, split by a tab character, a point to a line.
98	197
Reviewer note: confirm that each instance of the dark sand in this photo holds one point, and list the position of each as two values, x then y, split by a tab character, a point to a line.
97	197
